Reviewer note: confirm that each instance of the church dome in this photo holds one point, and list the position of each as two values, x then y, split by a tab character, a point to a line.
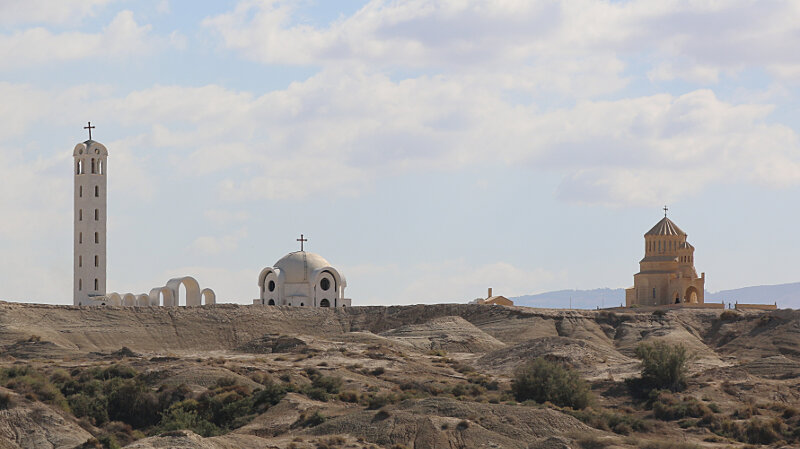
665	227
298	266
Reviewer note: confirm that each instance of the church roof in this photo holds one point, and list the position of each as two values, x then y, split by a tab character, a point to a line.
665	227
298	266
685	245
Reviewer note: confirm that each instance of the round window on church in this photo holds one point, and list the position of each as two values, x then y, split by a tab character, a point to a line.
97	151
271	286
325	284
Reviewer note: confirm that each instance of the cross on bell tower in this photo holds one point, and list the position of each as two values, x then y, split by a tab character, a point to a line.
90	128
302	240
665	211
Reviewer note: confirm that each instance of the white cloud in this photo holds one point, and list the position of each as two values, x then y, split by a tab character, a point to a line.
339	131
121	38
684	39
46	11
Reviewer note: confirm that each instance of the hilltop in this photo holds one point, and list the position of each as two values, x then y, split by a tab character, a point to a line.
408	376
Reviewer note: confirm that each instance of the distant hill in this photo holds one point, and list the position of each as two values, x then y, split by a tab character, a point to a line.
581	299
786	295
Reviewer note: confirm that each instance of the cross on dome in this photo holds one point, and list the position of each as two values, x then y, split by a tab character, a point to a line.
90	128
665	210
302	240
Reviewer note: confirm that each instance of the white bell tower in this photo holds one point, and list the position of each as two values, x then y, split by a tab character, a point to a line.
90	220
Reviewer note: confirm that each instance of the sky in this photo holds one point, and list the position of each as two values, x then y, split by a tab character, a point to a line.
428	150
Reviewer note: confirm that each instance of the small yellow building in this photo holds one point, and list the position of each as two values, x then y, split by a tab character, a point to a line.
666	274
495	299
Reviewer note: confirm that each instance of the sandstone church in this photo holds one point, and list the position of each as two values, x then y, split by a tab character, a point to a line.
300	278
666	273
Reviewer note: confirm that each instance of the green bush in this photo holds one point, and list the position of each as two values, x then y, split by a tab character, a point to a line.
310	420
762	431
669	408
544	381
26	381
5	401
379	400
132	402
610	421
184	416
93	407
330	384
664	365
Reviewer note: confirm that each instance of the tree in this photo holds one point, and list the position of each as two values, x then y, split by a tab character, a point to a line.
663	365
542	381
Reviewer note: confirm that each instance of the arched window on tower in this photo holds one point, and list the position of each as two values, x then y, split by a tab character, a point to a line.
80	237
96	261
96	237
100	166
80	191
80	214
80	261
96	284
96	214
94	167
80	284
96	191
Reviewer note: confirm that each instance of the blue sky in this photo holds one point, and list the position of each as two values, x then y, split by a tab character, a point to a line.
427	149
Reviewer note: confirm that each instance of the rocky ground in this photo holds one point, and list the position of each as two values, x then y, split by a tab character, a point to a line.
435	376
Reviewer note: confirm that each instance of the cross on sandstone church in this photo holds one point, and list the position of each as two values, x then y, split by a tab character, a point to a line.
302	240
665	210
90	128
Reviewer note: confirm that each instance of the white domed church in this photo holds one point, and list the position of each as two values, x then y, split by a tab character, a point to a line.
302	279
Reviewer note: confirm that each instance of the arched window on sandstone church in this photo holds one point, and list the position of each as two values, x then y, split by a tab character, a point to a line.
100	166
96	284
94	167
96	191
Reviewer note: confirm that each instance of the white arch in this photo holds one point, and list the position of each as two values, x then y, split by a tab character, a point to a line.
155	296
129	300
337	293
113	299
192	290
142	300
209	297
